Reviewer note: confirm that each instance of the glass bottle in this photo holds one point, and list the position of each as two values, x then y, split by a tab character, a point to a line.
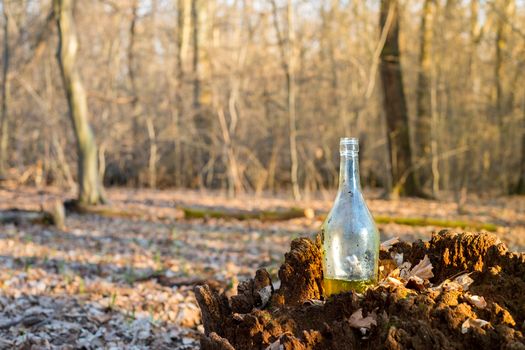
350	236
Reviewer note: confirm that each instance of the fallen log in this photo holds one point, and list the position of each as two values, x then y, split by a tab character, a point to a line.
101	210
276	214
201	212
21	216
415	221
388	316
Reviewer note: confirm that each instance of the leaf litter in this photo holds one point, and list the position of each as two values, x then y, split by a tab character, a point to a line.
86	285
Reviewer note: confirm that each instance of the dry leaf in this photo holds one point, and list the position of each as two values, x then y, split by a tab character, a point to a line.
476	300
403	271
423	270
473	322
391	282
397	257
265	294
464	281
461	283
389	243
358	321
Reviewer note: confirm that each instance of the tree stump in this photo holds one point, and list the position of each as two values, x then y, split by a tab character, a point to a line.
296	316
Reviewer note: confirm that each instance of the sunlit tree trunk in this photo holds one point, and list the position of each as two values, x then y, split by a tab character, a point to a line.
423	99
4	121
400	154
292	117
89	184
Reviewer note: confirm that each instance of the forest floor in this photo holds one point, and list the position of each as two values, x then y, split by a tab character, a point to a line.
127	282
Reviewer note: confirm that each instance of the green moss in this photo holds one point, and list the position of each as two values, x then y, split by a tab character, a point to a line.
262	215
436	222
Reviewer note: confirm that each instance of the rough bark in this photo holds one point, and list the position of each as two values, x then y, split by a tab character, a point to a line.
301	276
400	153
4	121
90	190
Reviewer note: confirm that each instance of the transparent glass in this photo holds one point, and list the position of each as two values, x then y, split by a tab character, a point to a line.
350	236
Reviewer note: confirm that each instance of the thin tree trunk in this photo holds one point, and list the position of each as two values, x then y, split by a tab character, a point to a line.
292	118
196	81
520	187
288	66
183	36
234	181
152	162
401	166
4	121
90	190
499	77
135	105
500	44
423	95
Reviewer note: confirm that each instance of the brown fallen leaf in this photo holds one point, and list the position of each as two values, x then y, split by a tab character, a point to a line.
391	282
476	300
423	269
460	283
358	321
473	322
386	245
464	281
397	257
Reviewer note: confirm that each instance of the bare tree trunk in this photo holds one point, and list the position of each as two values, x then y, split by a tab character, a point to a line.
401	166
423	100
152	162
290	83
183	36
89	184
234	181
498	65
502	109
288	66
196	81
520	187
4	121
135	105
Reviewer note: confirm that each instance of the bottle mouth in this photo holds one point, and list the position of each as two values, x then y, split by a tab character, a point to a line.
349	146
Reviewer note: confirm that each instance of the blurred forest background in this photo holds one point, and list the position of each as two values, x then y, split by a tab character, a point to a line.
211	129
254	95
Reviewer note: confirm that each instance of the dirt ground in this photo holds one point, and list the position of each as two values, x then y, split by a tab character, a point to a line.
128	282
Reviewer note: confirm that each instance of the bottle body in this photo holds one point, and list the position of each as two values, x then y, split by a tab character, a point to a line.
350	236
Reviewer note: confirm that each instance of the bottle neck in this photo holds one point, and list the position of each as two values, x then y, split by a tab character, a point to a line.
349	173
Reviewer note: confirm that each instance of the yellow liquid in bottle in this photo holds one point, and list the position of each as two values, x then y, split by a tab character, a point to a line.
334	286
